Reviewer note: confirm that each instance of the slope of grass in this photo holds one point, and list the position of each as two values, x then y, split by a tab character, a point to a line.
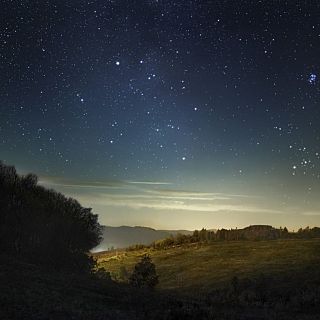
213	265
291	289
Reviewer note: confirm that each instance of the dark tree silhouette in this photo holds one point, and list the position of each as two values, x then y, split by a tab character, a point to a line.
144	274
43	226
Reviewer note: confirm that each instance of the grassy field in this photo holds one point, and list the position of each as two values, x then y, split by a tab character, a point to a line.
211	266
188	275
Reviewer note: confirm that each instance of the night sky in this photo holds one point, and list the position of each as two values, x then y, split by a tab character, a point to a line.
169	114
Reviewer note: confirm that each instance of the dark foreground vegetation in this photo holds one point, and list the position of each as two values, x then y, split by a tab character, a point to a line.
46	271
30	292
43	226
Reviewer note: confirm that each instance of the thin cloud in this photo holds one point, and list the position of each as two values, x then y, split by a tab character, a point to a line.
69	183
173	192
311	213
139	202
149	182
143	195
164	197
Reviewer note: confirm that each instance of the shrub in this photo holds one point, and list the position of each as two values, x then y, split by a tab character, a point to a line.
144	274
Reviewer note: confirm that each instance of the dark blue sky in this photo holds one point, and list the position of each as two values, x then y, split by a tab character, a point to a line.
213	99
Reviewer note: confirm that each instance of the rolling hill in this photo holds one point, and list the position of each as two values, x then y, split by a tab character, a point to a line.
208	266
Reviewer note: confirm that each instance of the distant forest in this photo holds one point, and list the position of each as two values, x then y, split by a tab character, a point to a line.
253	233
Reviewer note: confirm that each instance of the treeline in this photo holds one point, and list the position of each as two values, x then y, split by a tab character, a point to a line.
43	226
255	232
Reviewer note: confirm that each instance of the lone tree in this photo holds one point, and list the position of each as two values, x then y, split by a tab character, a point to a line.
144	274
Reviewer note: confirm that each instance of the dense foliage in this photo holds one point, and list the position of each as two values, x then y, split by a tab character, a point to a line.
144	274
44	226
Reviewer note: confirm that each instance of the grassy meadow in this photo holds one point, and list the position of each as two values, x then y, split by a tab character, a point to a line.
188	278
209	266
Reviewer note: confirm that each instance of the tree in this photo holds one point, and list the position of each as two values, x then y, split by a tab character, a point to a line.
144	274
43	226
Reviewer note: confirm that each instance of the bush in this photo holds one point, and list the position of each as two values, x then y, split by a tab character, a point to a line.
144	274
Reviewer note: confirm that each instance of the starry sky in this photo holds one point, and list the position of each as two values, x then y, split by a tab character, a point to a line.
168	114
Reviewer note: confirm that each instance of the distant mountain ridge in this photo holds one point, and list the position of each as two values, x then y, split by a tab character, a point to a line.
125	236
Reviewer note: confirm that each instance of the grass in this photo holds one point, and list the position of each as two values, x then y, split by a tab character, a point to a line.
30	292
208	266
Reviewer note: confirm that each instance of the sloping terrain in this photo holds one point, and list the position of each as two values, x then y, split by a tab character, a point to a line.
196	282
209	266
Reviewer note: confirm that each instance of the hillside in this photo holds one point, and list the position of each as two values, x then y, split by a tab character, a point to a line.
124	236
210	266
290	289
